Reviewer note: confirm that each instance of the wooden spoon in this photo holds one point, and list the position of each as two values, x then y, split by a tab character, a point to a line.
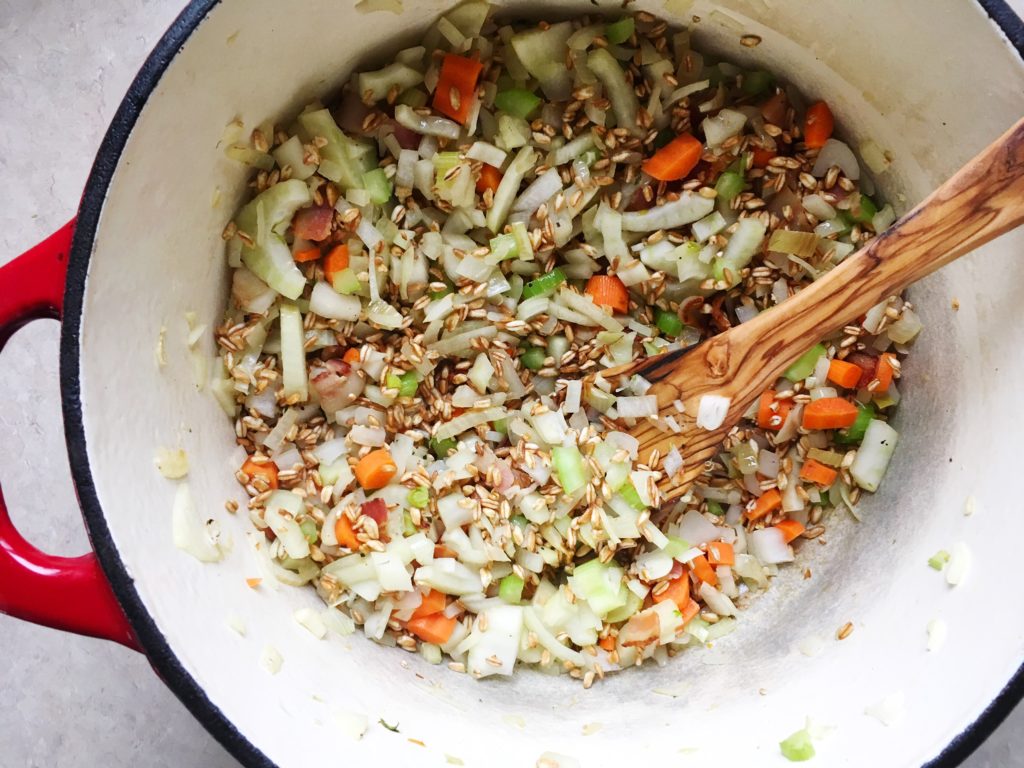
981	201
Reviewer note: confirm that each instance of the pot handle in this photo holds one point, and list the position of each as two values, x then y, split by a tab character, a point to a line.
68	593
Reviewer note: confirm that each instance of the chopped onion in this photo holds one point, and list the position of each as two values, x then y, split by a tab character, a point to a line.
172	463
906	328
327	302
769	546
890	711
717	601
695	529
687	209
817	207
190	532
839	154
726	124
637	407
672	463
460	424
937	632
543	188
959	564
711	411
874	156
428	125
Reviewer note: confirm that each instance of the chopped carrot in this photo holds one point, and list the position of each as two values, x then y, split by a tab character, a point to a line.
764	504
721	553
844	374
376	469
266	470
691	610
815	472
829	413
769	418
456	86
762	156
432	629
678	592
490	178
351	355
818	125
440	550
337	260
884	372
345	534
607	643
676	159
307	254
433	602
791	529
703	571
253	583
609	291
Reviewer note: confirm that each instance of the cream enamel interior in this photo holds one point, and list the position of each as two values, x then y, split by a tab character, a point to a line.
934	93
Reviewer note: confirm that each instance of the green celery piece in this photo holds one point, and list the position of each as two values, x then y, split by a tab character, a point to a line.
629	493
532	358
939	559
675	546
346	282
444	162
441	448
500	426
544	285
620	31
511	589
408	527
504	247
378	185
804	366
517	102
343	160
867	210
601	584
419	497
569	468
408	383
854	434
308	528
715	508
668	322
797	748
729	185
632	605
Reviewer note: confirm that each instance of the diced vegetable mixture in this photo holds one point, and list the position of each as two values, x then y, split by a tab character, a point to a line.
428	280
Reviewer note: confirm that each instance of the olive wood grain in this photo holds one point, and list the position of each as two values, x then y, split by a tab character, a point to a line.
983	200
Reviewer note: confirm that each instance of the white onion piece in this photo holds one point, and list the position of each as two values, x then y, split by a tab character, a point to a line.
327	302
573	396
769	546
487	153
717	601
890	711
768	464
937	631
543	188
726	124
817	207
190	532
405	174
672	463
959	564
711	411
637	407
460	424
427	125
687	209
839	154
695	529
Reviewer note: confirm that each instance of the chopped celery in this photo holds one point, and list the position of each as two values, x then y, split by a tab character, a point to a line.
517	102
805	364
629	493
757	82
419	497
511	589
829	458
532	358
668	322
620	31
524	247
308	528
346	282
745	458
544	285
569	468
513	132
406	384
715	508
408	527
675	546
343	159
602	585
852	435
797	747
414	97
443	163
865	210
939	559
271	259
504	247
500	426
729	185
378	185
441	448
376	85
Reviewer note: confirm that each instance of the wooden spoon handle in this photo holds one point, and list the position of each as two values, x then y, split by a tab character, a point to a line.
983	200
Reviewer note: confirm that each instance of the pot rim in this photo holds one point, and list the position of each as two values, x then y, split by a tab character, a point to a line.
156	647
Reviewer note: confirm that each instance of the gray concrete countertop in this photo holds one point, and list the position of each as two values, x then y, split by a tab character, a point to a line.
72	702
